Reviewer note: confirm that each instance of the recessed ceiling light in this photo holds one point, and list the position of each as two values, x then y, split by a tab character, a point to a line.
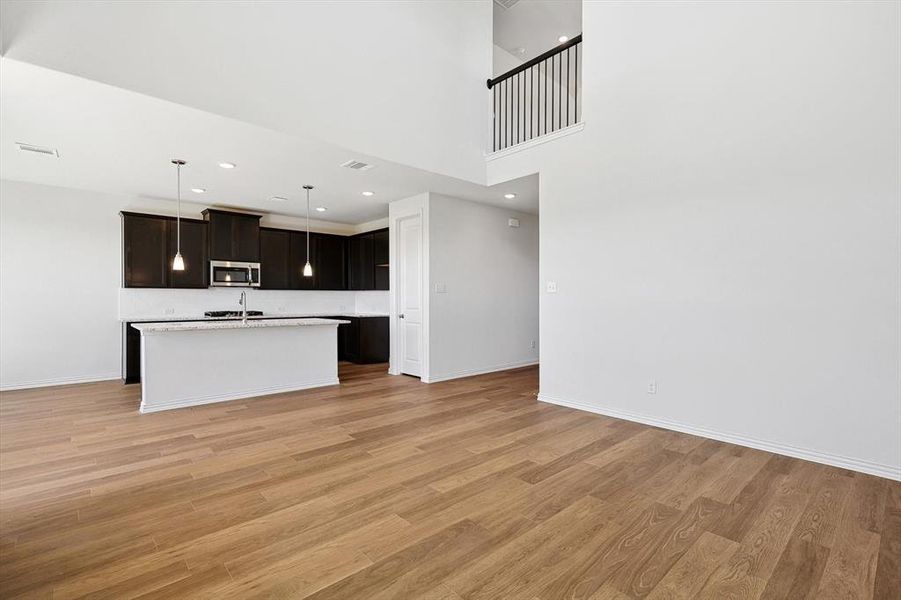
278	199
368	193
321	208
198	190
227	165
562	39
509	196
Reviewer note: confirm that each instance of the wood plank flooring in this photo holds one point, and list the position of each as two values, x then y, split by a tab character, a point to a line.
384	488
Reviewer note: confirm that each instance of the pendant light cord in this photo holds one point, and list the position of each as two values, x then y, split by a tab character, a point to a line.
308	225
178	210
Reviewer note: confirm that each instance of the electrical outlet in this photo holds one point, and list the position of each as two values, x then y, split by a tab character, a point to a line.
170	311
551	287
440	288
532	345
652	387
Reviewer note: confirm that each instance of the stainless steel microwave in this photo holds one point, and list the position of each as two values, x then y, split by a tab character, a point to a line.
226	273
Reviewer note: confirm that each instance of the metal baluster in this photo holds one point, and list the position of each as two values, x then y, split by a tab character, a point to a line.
510	116
567	86
494	119
576	93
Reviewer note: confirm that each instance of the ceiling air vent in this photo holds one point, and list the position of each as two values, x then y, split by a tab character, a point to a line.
37	149
506	3
357	165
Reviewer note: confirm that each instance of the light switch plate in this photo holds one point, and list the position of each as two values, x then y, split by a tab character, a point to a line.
440	288
513	222
551	287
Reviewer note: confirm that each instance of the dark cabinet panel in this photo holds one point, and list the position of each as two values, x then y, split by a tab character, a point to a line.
367	261
145	251
233	236
131	362
328	261
275	246
349	340
149	245
193	251
374	340
297	259
380	258
359	265
246	238
364	340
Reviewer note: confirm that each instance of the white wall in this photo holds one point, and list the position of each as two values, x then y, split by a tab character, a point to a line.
486	316
60	276
727	225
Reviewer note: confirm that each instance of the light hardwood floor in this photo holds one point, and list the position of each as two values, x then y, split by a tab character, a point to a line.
384	487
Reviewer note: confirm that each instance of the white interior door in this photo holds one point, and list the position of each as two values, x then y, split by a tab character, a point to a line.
409	305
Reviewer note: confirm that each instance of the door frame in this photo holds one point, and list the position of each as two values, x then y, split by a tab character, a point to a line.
420	213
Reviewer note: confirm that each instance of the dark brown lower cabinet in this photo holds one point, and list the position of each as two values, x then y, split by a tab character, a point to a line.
131	354
365	340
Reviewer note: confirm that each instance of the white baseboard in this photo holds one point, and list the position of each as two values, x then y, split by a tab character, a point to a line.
238	395
39	383
481	371
834	460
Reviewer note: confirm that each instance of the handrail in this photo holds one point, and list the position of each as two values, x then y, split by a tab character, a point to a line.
538	59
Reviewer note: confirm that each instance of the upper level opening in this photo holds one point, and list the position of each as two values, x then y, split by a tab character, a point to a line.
536	80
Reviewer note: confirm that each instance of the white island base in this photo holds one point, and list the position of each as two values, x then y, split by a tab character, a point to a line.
188	364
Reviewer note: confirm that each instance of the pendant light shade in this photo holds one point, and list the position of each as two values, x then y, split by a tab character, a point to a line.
178	263
308	268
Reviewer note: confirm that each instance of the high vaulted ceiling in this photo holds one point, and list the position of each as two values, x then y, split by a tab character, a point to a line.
117	141
530	27
287	90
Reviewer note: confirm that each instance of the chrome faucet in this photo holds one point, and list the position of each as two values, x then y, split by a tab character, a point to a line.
243	303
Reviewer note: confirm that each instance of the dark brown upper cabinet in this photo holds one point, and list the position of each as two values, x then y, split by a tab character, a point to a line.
360	271
149	245
145	243
297	259
275	270
193	251
233	236
367	262
380	258
328	261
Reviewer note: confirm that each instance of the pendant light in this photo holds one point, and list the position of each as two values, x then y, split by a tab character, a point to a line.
308	268
178	263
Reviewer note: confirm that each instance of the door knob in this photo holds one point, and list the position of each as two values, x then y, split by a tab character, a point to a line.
400	316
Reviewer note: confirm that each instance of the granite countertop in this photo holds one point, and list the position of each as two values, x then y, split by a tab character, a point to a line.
171	318
232	324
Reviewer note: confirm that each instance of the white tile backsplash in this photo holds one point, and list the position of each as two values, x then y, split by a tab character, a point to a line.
150	303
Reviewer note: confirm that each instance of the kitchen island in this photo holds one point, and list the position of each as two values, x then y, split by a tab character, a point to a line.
192	363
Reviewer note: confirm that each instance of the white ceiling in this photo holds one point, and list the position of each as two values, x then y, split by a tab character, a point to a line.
401	80
117	141
531	27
